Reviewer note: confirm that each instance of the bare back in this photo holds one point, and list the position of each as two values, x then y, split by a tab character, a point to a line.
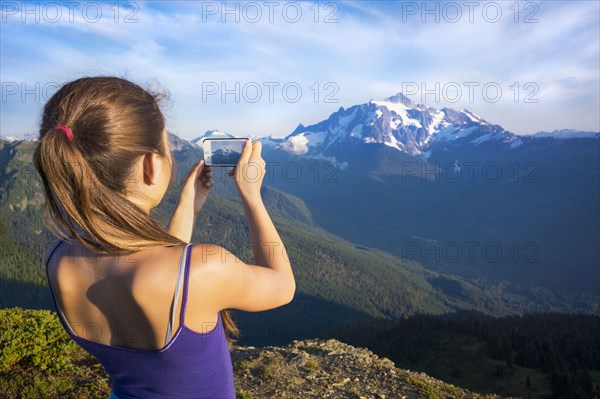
125	301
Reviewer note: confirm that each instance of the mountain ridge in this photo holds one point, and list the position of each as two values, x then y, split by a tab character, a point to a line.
404	125
399	123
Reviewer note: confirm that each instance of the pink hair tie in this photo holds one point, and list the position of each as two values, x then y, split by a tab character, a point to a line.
66	130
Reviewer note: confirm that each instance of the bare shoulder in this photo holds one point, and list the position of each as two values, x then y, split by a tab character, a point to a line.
208	269
58	253
50	249
155	267
203	260
204	256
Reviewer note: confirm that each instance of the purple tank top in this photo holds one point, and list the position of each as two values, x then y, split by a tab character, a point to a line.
191	365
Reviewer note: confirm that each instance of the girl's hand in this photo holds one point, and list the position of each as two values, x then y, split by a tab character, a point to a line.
249	172
197	183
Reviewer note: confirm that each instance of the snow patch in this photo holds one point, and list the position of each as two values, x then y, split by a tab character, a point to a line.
392	142
10	138
400	110
338	132
437	118
332	160
483	138
269	141
452	133
471	116
516	143
357	131
315	138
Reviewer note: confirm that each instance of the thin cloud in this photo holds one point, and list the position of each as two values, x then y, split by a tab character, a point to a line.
369	53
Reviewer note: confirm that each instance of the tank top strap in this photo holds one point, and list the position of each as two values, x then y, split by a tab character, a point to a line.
186	283
59	311
180	275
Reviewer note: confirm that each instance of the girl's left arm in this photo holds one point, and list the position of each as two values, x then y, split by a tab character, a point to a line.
197	184
182	222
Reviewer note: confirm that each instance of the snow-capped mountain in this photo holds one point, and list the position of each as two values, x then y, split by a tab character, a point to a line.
568	134
220	134
225	151
10	138
213	134
414	180
225	156
16	137
400	128
402	175
414	129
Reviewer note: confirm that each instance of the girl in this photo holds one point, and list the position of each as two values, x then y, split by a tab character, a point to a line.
147	303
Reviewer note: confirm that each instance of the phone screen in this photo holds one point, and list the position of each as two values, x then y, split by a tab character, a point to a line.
223	151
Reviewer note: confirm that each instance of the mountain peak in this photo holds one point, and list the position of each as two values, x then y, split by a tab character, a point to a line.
396	122
400	98
568	134
215	133
298	129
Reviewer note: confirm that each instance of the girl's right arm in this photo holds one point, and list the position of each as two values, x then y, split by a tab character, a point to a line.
229	283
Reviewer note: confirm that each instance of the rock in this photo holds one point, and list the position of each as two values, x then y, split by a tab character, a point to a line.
318	368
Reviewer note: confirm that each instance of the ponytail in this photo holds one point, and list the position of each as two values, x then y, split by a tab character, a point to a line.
112	122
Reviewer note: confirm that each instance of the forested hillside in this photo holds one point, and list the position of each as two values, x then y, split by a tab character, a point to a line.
337	280
539	355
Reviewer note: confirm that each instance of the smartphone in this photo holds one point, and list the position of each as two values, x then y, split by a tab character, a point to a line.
224	151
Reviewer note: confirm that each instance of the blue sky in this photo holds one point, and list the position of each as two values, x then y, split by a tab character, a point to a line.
478	57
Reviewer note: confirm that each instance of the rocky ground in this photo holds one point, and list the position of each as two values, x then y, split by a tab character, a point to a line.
331	369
